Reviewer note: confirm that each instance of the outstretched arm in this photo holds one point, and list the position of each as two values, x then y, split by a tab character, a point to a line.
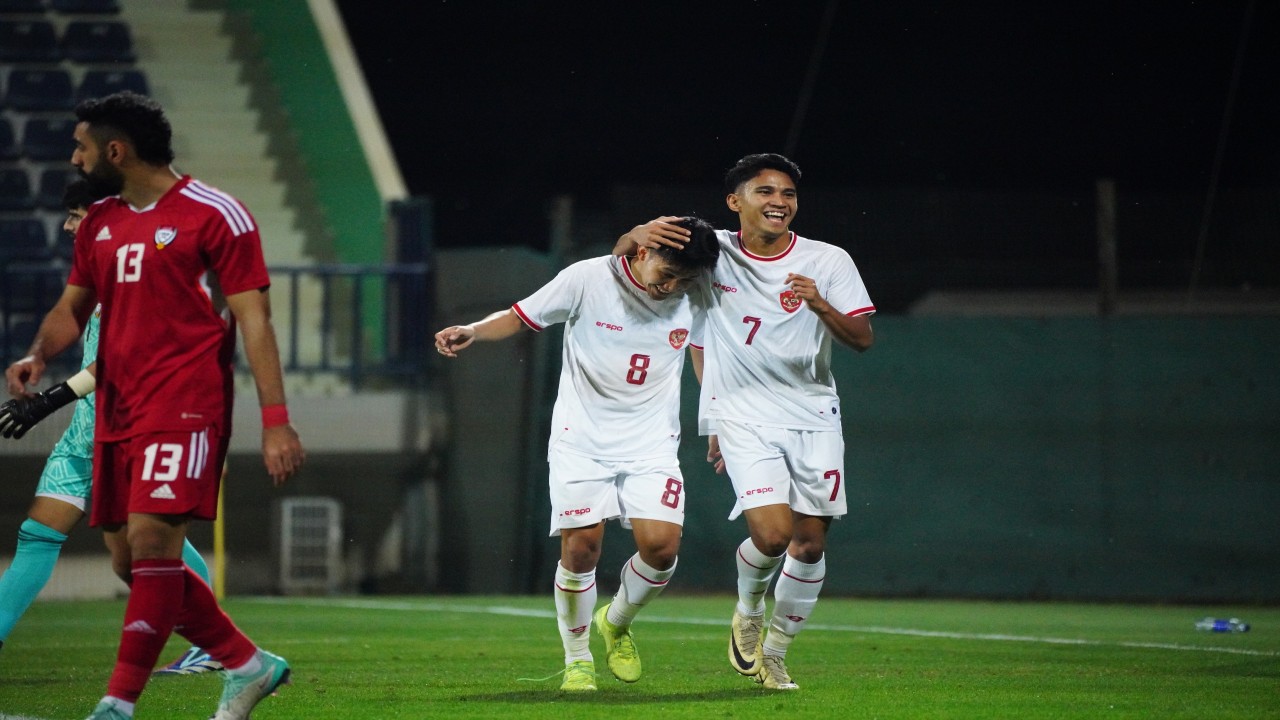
20	415
496	326
652	234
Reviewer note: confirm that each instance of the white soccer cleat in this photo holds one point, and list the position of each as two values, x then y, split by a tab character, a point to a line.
773	674
744	642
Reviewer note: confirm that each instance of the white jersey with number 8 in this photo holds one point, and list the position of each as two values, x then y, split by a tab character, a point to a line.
619	395
768	357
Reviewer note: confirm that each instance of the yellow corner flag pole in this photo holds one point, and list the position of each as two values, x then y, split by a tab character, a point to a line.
219	546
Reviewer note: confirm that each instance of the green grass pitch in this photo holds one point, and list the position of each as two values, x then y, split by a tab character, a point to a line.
473	657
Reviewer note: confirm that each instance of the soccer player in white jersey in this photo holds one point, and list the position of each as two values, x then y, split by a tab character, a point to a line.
615	429
769	405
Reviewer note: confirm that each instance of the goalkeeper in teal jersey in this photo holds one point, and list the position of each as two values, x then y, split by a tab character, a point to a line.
63	491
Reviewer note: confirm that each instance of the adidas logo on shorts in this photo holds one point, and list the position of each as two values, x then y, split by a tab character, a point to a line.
163	492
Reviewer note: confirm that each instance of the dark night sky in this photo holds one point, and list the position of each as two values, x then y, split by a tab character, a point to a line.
493	107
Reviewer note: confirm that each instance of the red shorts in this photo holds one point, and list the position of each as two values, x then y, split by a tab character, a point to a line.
163	473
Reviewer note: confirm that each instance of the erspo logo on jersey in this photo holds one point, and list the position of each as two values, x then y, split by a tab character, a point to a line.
609	326
724	288
789	302
677	338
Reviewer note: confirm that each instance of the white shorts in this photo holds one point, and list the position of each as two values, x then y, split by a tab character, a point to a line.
585	491
772	466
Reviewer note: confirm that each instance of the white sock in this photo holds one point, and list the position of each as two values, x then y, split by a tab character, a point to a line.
755	570
794	597
575	599
123	706
640	584
252	667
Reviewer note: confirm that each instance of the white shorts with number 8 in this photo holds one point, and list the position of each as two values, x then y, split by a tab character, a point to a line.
585	491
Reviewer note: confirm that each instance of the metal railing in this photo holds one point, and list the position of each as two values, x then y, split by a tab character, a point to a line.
368	323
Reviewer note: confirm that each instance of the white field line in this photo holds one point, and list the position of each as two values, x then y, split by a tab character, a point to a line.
355	604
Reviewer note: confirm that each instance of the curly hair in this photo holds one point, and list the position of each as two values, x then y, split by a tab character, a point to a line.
135	118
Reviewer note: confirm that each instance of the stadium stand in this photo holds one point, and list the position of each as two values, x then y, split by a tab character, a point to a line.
8	140
53	180
23	239
45	138
21	6
98	41
39	90
99	83
28	41
15	190
85	7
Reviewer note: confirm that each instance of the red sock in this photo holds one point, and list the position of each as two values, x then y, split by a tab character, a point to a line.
208	627
149	617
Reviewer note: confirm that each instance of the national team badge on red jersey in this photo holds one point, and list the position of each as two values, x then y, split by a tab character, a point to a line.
678	337
164	236
789	301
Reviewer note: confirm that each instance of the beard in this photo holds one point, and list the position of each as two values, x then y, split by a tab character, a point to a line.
104	180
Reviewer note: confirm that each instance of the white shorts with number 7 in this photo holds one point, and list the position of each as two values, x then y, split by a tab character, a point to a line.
774	466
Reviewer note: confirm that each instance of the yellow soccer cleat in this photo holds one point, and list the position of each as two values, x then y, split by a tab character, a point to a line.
744	643
620	648
579	676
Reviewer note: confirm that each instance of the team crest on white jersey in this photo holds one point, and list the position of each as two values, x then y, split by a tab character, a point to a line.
164	236
677	338
789	301
103	234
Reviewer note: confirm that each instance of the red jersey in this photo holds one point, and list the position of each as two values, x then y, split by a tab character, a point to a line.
167	340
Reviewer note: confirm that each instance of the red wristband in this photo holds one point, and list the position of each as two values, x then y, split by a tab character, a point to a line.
273	415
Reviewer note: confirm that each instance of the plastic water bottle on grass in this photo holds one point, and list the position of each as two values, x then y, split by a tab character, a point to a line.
1220	625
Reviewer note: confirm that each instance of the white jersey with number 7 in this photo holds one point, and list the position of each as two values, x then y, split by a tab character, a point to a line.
768	357
619	394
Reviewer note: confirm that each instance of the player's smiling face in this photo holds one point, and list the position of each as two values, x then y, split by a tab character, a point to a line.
660	279
765	204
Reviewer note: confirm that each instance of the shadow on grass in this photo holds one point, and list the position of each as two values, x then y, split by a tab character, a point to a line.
544	697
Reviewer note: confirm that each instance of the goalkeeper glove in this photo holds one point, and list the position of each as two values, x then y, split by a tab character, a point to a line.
20	415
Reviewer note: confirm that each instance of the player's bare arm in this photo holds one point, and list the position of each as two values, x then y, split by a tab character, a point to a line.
496	326
852	331
282	451
659	231
59	330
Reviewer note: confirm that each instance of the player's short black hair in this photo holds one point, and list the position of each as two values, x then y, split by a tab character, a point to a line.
701	252
132	117
751	165
79	195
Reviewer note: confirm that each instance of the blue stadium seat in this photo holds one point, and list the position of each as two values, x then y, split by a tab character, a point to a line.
15	190
85	7
8	141
53	181
48	138
100	83
28	41
98	41
17	335
23	239
39	90
21	6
